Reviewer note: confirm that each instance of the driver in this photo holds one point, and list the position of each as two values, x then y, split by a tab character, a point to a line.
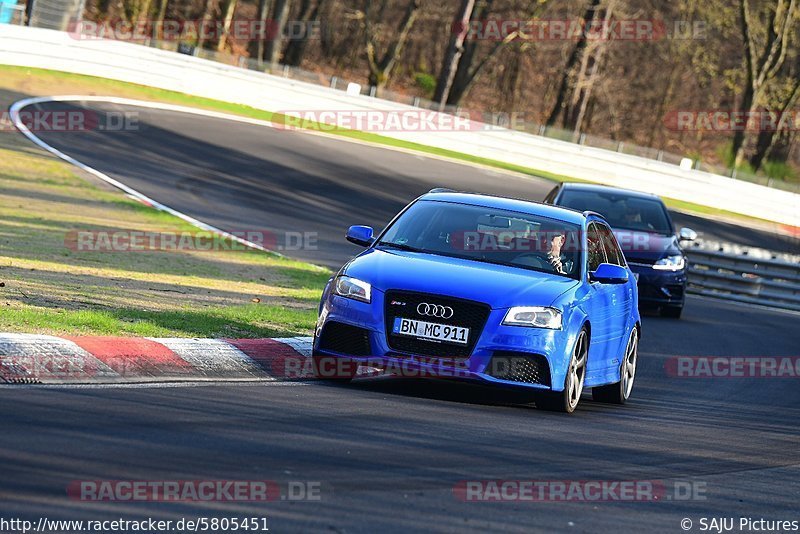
554	254
633	216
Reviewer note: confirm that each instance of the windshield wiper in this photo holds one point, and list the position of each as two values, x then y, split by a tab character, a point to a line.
398	246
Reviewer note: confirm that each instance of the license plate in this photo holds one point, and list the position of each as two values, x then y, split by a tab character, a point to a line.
431	331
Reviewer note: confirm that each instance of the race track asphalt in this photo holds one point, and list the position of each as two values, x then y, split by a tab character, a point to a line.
388	452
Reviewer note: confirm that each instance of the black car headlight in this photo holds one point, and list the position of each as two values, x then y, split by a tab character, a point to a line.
670	263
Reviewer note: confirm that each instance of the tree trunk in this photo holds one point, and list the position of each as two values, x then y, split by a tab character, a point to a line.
205	23
381	70
162	14
767	138
589	73
257	47
566	86
761	69
230	8
465	74
296	48
455	48
272	50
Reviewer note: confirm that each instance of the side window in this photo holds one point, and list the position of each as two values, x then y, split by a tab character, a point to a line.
595	252
613	253
551	196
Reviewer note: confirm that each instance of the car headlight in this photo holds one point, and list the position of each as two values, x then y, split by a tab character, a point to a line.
353	288
670	263
536	316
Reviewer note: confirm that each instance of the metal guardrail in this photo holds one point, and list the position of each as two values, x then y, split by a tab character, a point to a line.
743	278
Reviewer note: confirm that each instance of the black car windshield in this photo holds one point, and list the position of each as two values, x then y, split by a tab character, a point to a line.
487	235
622	211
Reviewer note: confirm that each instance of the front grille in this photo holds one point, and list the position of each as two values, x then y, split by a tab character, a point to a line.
650	291
344	339
466	313
676	290
641	262
519	367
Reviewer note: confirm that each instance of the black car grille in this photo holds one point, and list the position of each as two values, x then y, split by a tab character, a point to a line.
519	367
344	339
651	291
466	313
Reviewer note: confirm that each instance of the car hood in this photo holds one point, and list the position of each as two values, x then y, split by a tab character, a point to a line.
644	247
497	285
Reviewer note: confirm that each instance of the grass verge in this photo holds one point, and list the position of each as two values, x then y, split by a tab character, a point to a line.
47	286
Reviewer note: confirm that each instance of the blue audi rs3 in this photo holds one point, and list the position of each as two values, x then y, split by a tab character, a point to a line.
496	290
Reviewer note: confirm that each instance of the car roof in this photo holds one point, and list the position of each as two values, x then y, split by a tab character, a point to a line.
512	204
576	186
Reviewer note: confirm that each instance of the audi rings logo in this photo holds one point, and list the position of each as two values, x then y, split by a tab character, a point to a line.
435	310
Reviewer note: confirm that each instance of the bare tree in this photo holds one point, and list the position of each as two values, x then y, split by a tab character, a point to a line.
455	48
567	84
208	16
159	22
471	64
230	8
297	45
761	67
262	12
380	69
280	15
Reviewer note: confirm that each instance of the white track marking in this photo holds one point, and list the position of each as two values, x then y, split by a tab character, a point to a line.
49	358
15	117
195	383
214	358
300	344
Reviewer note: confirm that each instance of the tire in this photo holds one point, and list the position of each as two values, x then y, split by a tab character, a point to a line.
620	392
566	401
673	312
333	369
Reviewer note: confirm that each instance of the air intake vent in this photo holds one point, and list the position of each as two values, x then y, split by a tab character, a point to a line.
519	367
344	339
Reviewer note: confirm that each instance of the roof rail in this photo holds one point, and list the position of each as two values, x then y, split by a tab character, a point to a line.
442	190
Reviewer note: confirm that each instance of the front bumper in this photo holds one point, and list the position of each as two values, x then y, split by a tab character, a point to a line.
660	288
511	356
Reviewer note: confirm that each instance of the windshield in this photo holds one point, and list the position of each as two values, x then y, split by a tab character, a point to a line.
621	211
488	235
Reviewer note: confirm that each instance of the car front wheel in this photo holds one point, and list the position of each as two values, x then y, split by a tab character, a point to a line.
567	400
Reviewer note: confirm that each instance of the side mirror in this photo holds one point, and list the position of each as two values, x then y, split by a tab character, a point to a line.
360	235
687	234
608	273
